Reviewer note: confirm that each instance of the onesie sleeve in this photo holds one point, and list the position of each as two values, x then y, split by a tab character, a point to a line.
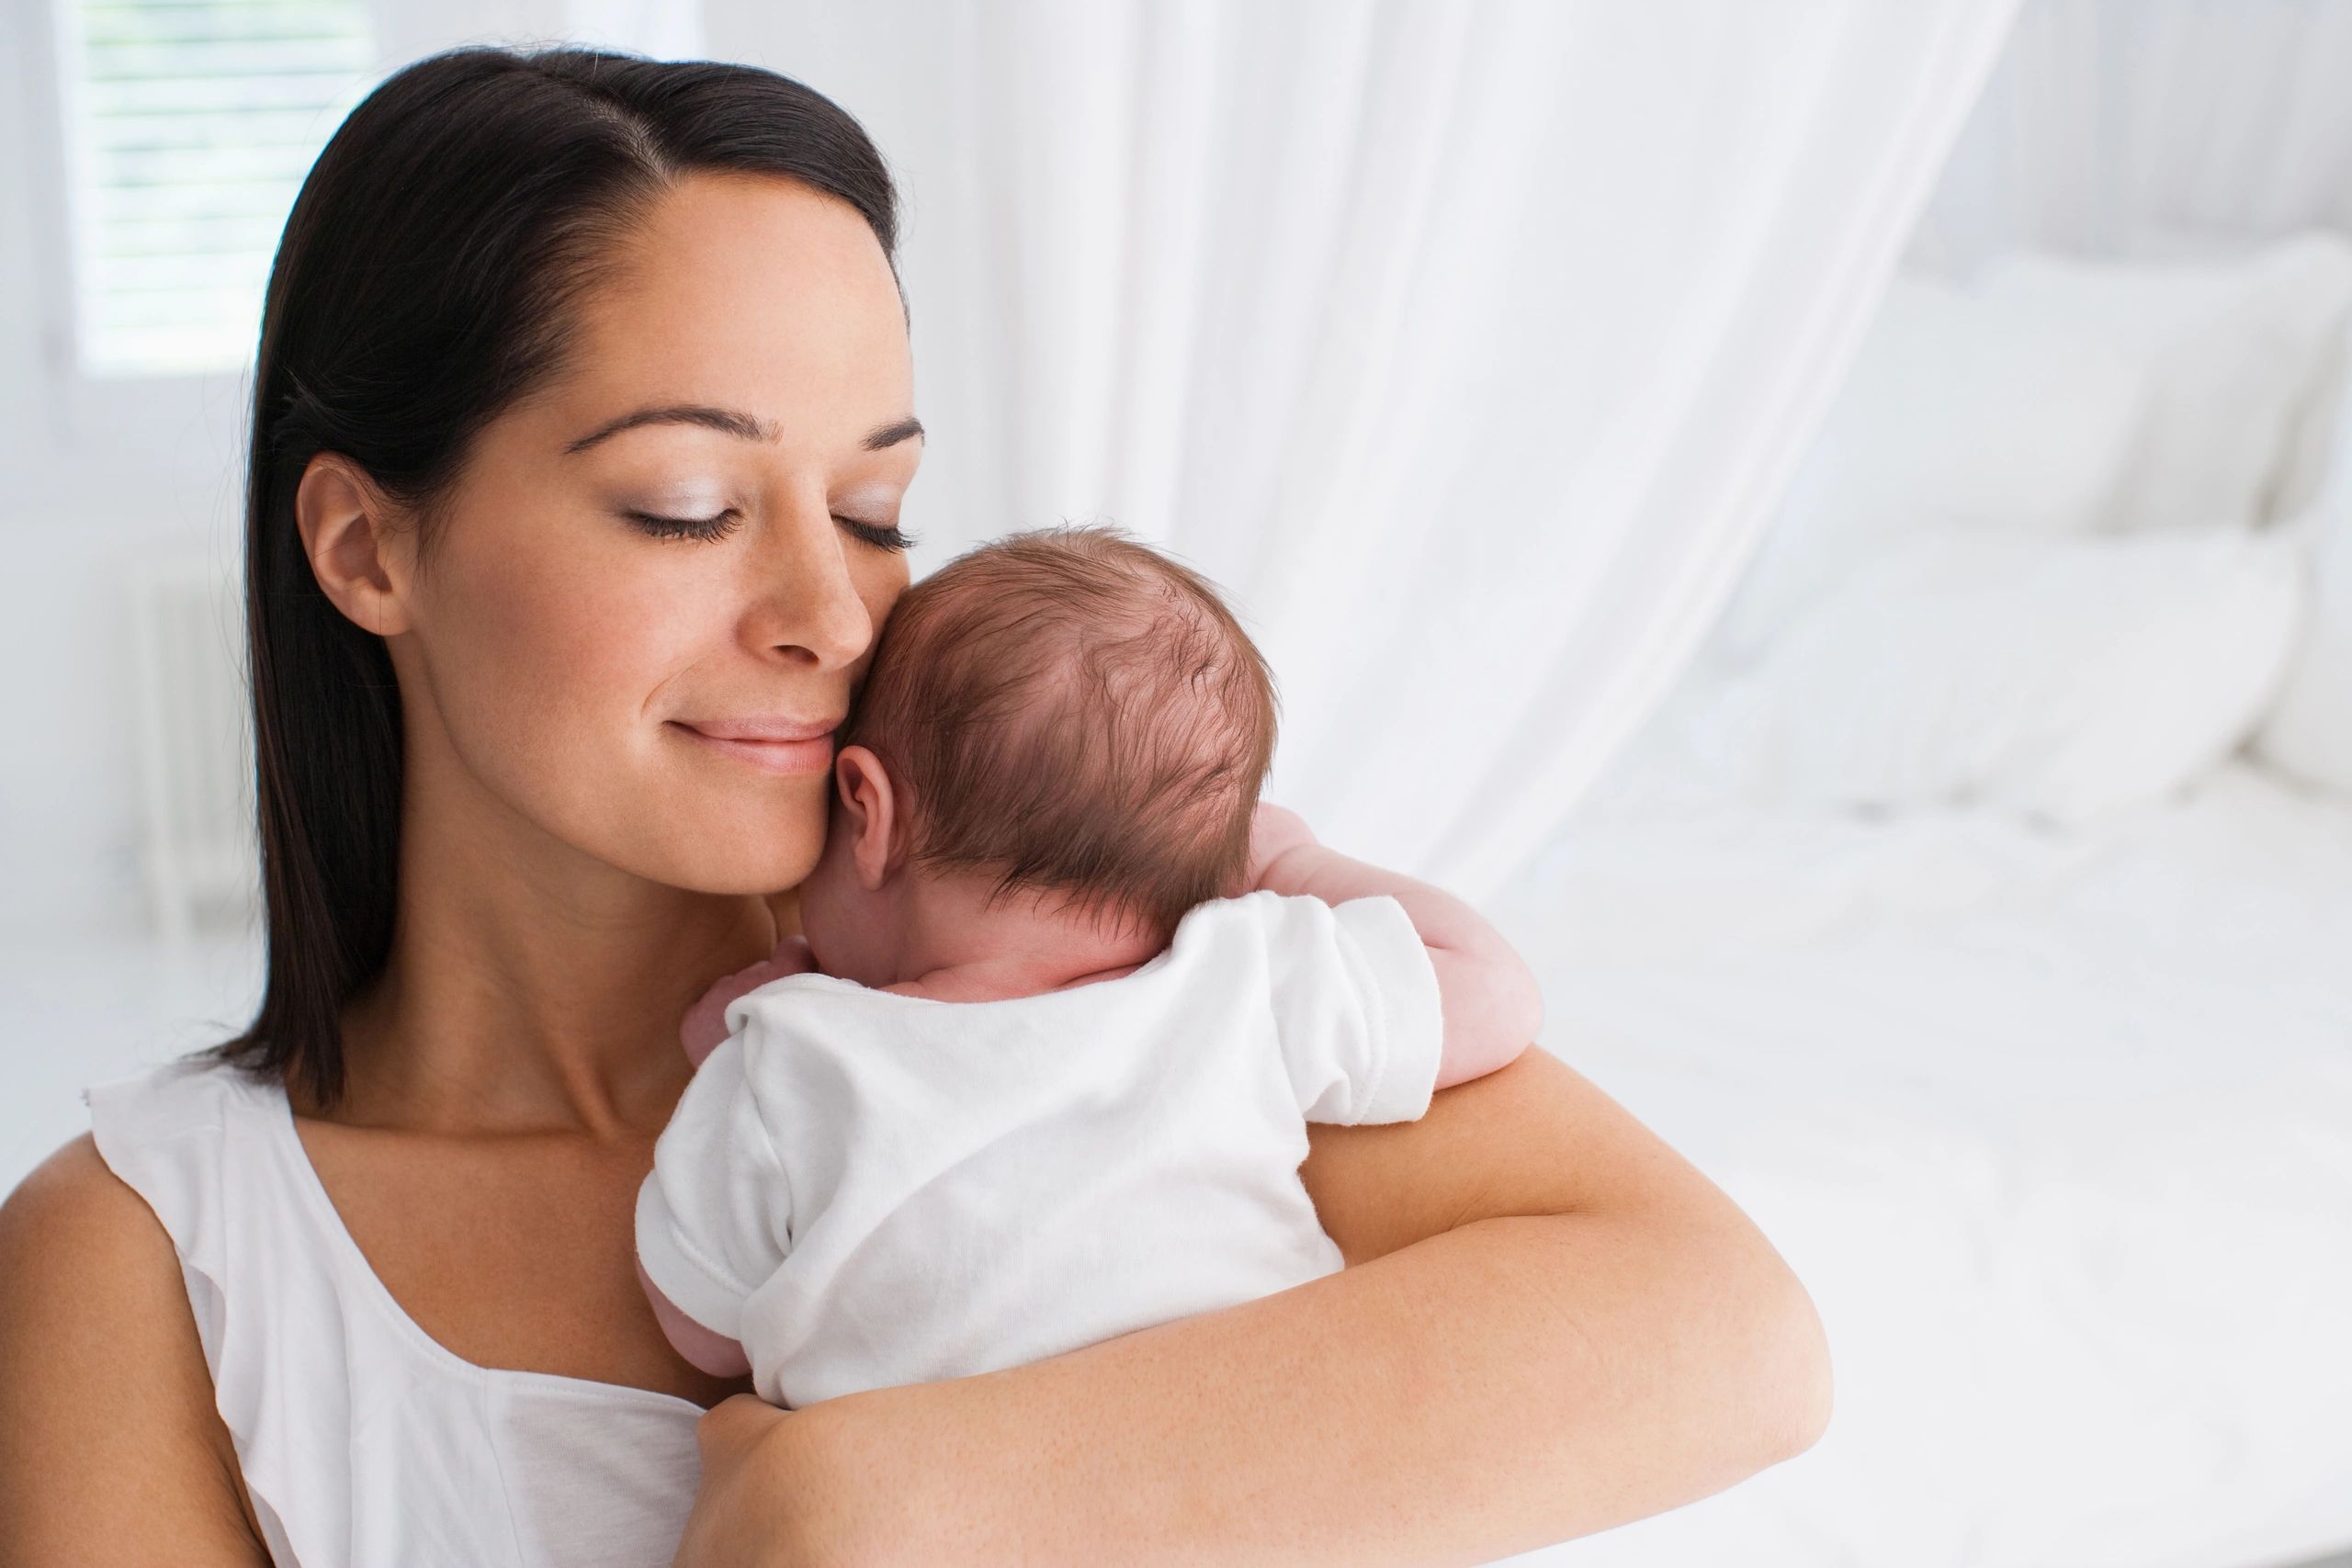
714	1219
1355	1003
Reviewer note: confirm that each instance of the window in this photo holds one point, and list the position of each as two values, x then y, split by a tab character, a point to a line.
189	125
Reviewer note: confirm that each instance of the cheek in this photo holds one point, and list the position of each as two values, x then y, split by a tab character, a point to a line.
557	658
880	586
553	672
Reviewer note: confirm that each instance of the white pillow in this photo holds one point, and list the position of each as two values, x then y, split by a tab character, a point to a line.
1957	411
2232	352
2311	442
2309	734
2059	677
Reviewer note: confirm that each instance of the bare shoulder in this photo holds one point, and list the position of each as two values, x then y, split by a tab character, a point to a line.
70	1188
102	1378
75	1239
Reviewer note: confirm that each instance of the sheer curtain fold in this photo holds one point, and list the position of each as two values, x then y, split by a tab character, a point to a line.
1467	345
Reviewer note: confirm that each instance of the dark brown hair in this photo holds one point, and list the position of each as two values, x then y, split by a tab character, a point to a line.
1072	711
422	287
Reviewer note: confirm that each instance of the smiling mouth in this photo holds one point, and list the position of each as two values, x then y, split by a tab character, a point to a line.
777	752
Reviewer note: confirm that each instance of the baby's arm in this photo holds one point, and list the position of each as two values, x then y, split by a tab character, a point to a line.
712	1353
1489	998
703	1028
714	1214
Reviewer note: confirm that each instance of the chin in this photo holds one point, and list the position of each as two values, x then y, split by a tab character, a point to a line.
724	862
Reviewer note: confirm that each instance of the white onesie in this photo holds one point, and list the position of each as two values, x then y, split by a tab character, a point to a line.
869	1189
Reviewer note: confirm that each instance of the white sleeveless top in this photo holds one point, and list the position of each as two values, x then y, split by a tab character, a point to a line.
363	1440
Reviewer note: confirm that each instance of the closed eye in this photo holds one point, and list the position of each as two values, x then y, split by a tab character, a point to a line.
662	527
887	536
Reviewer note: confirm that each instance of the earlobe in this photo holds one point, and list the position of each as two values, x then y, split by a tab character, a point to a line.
345	524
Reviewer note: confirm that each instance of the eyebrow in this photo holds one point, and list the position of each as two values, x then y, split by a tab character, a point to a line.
729	422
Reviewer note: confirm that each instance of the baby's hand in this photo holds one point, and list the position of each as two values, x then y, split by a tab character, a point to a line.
706	1023
1274	829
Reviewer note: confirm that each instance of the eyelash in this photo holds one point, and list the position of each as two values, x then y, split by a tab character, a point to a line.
713	528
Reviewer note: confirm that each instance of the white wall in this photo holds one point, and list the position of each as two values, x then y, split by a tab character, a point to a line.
2108	119
95	476
99	475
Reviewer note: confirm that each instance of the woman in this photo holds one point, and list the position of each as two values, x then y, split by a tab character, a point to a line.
583	413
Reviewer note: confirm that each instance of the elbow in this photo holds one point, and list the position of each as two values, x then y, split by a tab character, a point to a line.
1762	1394
1527	1002
1512	998
1517	1017
1793	1389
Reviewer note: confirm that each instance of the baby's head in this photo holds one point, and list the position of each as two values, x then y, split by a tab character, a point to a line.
1068	716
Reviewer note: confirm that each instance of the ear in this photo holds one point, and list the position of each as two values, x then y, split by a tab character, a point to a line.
870	814
362	562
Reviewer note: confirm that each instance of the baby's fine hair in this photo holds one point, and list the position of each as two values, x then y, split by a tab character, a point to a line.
1076	713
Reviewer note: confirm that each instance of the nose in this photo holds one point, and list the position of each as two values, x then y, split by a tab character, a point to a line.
804	604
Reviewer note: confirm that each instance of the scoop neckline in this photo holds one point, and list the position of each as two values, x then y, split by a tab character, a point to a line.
353	1260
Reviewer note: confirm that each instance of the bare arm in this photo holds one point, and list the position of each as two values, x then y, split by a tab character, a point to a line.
704	1349
1491	1002
1550	1323
111	1450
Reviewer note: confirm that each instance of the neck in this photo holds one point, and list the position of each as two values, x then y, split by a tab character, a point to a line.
1022	946
530	986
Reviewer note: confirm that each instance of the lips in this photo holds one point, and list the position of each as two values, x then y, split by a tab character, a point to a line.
766	726
771	743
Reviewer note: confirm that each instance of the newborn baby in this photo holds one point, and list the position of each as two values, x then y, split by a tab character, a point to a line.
1038	1072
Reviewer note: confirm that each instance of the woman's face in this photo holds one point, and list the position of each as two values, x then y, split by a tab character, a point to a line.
685	545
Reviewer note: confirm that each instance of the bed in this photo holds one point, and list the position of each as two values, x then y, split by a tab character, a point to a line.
2057	1129
2037	1070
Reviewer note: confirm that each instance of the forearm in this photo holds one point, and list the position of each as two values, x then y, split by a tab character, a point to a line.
1516	1380
1492	1003
1324	873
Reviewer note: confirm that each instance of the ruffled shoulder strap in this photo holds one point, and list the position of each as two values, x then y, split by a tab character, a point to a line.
165	1132
193	1137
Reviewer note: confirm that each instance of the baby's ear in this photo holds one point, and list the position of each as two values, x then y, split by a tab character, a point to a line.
862	785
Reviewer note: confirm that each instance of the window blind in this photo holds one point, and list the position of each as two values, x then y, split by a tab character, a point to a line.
192	123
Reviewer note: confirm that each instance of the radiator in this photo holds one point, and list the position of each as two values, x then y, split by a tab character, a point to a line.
198	852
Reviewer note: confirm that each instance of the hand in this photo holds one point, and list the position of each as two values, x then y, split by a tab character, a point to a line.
736	1517
1275	829
801	1489
704	1024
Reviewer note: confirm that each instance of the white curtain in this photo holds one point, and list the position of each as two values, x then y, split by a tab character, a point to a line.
1467	345
2112	127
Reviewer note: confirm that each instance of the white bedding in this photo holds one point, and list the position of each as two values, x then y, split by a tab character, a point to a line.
2056	1130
